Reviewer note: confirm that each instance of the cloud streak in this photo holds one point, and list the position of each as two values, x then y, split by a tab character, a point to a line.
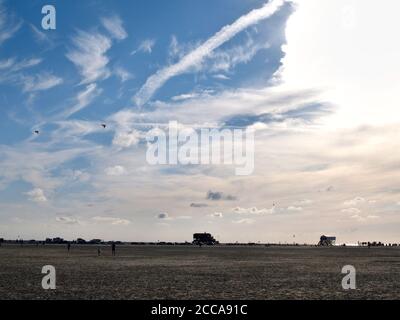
146	46
89	56
197	55
115	27
41	82
83	99
8	27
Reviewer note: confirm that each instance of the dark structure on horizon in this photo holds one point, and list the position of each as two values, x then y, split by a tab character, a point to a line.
327	241
204	238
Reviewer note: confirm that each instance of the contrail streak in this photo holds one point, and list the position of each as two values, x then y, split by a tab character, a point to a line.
157	80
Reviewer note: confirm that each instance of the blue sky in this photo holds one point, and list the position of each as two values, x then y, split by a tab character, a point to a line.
115	62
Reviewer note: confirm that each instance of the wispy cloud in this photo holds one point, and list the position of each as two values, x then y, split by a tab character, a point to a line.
37	195
253	211
220	76
67	220
295	209
115	171
112	220
351	211
84	98
89	55
217	215
39	35
354	202
114	26
8	24
40	82
196	56
126	139
244	221
145	46
25	64
11	67
226	60
123	74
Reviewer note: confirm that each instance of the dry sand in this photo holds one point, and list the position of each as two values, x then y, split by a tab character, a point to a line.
185	272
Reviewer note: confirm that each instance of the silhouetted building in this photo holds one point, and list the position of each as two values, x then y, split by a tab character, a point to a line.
327	241
204	238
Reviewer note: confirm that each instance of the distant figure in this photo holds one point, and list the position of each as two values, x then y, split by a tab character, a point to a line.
113	249
36	132
98	252
104	125
68	246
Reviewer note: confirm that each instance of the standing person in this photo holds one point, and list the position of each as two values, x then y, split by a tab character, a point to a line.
98	252
68	246
113	249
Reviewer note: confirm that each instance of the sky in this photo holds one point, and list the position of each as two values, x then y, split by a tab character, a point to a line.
316	80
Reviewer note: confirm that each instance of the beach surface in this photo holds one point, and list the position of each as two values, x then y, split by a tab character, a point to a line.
189	272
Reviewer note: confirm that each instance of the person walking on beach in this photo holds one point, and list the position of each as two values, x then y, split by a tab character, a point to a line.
113	249
68	246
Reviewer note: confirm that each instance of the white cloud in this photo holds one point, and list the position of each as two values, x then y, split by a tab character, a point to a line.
84	98
126	139
185	96
362	218
145	46
114	26
111	220
253	210
217	215
89	55
351	211
115	171
220	76
357	217
78	175
8	25
67	220
305	202
40	82
244	221
293	208
196	56
354	202
39	35
123	74
10	69
37	195
353	43
25	64
226	60
75	128
5	64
